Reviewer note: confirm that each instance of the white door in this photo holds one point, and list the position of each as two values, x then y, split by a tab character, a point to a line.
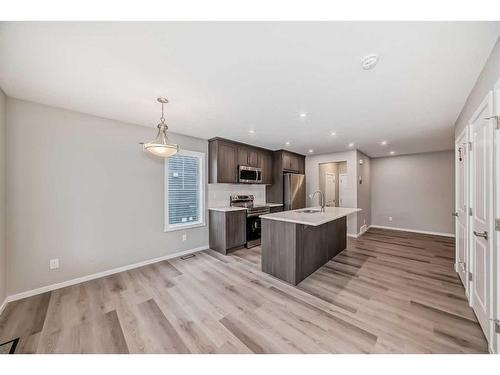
462	208
481	136
330	189
496	245
342	188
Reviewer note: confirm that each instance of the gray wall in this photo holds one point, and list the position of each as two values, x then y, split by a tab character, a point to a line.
364	190
485	82
3	268
80	189
417	190
312	181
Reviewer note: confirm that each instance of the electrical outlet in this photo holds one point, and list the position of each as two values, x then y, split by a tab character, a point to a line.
184	237
390	218
54	264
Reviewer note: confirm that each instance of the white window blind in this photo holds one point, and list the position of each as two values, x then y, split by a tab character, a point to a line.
184	195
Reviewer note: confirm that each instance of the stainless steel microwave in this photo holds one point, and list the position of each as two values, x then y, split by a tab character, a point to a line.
249	175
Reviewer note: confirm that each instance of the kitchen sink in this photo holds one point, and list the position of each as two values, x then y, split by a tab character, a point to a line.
309	211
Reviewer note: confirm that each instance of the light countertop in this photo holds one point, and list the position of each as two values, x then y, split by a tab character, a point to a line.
227	208
274	204
314	219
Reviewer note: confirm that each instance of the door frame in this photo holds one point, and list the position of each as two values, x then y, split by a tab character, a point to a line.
463	134
491	226
340	190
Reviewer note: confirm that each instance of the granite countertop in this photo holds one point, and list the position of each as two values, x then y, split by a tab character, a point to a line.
314	219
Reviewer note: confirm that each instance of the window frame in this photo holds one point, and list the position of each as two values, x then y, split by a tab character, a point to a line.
200	223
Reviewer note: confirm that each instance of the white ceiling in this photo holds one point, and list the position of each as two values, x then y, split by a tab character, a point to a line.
226	78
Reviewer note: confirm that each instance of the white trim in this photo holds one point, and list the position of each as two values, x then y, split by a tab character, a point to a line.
414	231
202	221
98	275
4	304
352	235
462	133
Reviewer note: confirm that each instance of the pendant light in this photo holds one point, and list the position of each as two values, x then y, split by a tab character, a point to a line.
160	146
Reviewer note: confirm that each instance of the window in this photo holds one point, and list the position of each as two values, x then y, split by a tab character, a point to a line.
185	190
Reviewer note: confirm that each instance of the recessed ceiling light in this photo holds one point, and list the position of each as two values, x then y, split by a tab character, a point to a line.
287	143
333	133
392	152
251	131
383	143
303	114
351	145
311	151
369	62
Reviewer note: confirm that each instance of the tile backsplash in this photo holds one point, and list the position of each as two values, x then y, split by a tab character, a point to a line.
218	194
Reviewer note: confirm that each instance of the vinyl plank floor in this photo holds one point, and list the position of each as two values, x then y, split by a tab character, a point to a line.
387	292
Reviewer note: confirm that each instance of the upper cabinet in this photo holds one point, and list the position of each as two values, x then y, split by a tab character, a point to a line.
224	157
222	162
266	164
293	162
248	156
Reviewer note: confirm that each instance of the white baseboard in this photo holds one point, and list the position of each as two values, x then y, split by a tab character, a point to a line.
414	231
352	235
98	275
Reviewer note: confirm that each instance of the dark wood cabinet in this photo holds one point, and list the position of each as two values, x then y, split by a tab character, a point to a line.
225	156
223	162
291	162
266	164
248	156
227	230
275	209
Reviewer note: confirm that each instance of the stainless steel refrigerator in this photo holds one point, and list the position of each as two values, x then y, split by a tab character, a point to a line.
294	191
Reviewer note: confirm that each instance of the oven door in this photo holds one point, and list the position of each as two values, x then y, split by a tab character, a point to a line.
249	175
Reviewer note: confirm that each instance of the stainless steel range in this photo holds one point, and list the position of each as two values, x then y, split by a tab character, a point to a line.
253	219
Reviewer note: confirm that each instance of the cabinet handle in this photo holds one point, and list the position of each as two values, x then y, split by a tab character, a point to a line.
454	214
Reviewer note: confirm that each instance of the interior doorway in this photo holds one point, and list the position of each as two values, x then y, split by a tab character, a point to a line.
330	175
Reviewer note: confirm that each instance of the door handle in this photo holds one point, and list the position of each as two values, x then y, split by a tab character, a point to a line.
481	234
454	214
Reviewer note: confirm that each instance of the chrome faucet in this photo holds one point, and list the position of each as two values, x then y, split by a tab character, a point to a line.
322	201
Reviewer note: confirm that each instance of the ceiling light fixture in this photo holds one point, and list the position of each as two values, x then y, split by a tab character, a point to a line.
251	131
303	114
311	151
333	133
160	146
287	143
368	62
383	143
392	152
351	145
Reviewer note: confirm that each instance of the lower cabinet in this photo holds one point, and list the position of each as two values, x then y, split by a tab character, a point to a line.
276	209
227	230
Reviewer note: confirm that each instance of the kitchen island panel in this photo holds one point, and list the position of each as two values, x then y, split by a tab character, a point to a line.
291	251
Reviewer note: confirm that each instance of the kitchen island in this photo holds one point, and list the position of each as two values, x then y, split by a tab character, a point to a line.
296	243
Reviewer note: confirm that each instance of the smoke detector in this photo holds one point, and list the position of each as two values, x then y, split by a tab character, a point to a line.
369	62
